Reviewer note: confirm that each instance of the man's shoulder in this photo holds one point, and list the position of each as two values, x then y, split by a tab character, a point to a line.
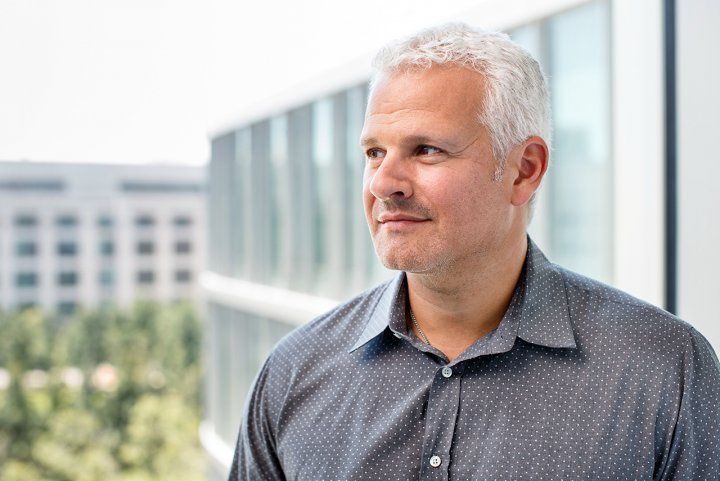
601	311
334	331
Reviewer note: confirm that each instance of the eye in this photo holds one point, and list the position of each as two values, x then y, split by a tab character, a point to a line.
374	154
427	150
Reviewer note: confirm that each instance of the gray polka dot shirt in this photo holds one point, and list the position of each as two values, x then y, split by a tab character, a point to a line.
579	381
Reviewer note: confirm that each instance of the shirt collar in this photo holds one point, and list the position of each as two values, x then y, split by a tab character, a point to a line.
538	312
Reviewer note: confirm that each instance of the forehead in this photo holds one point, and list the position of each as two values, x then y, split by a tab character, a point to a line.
421	102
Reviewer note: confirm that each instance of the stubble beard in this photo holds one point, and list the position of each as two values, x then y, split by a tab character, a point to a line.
412	255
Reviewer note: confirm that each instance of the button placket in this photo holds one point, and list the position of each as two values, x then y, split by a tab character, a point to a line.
440	423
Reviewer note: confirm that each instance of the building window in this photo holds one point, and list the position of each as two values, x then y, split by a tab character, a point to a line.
107	248
105	221
182	221
26	279
145	247
279	202
24	306
580	189
32	185
66	308
67	278
144	221
323	137
183	276
183	247
145	277
26	249
161	187
26	221
66	221
107	278
67	248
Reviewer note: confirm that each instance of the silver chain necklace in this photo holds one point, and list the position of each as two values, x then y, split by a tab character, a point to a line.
417	326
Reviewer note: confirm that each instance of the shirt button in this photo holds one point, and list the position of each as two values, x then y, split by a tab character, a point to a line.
435	461
446	372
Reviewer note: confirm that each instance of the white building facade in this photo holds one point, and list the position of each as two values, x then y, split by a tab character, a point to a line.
82	235
625	201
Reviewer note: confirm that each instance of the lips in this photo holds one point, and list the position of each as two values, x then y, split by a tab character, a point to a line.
385	218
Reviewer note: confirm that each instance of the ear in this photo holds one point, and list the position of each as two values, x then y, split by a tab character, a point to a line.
531	163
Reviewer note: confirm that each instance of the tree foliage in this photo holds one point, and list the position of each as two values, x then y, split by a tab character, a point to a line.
109	395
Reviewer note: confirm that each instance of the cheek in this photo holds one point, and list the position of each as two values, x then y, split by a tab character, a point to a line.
468	205
367	198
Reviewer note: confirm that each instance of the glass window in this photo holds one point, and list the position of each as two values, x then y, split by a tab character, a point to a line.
26	220
26	249
241	178
183	247
278	181
67	248
219	206
105	221
257	212
144	221
26	279
145	247
66	221
302	203
107	277
580	181
183	276
145	277
322	145
160	187
362	259
66	308
67	278
107	248
182	220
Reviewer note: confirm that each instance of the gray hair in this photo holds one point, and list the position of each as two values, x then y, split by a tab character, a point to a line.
515	105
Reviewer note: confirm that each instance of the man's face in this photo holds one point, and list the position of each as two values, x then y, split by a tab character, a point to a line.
429	197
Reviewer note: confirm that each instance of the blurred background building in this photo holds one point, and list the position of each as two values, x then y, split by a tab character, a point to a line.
80	235
627	199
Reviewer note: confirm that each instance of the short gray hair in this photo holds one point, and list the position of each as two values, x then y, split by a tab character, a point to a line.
516	102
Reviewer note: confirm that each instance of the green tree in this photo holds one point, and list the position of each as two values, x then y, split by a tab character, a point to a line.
141	428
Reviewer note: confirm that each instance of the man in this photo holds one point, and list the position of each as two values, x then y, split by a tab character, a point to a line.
480	360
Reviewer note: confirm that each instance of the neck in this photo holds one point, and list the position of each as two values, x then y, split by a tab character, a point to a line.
457	307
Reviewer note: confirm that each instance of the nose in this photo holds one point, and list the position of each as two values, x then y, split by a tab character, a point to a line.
391	179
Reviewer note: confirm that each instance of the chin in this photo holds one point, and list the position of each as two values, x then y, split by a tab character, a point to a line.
408	262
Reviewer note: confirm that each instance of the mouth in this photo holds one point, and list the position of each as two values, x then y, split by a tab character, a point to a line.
400	221
386	218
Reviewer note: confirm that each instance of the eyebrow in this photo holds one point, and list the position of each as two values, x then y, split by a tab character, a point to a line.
410	139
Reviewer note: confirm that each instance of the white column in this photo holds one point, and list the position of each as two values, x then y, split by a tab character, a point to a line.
638	147
89	258
124	232
47	259
698	104
163	265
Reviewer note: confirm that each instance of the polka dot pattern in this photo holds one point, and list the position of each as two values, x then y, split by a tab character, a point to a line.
579	381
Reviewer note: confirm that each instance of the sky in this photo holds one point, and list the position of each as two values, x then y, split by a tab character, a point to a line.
139	81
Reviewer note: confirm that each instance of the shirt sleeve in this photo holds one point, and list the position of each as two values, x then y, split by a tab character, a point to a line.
694	451
255	458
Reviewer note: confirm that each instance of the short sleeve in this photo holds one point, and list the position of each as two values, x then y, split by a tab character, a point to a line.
694	451
255	458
